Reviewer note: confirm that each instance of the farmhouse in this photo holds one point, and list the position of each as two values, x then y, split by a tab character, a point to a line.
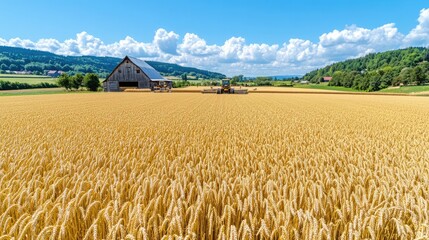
54	73
326	79
134	73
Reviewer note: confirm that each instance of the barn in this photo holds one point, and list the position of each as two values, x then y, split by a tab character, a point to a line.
134	73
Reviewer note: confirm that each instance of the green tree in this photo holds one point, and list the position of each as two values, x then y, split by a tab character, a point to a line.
64	81
234	80
348	78
4	67
374	80
405	76
337	79
263	81
426	57
418	76
357	82
387	76
77	81
91	82
34	67
184	77
13	67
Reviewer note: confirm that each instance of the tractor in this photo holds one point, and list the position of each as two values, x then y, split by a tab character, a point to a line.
225	87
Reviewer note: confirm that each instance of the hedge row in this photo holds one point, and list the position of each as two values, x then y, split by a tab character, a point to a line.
6	85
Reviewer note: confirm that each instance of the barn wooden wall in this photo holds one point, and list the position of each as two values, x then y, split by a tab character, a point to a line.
127	72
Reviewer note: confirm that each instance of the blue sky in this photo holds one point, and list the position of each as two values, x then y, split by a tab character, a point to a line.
234	37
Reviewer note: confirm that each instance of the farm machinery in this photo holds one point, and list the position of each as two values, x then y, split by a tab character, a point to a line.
225	88
161	87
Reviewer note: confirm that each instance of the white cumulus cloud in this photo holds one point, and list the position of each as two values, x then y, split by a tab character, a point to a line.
357	41
297	50
236	56
166	41
231	49
194	45
258	53
129	46
419	36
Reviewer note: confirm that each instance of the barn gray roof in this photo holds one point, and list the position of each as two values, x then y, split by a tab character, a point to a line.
148	70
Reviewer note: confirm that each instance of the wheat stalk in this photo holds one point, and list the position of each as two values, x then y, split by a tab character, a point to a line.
264	166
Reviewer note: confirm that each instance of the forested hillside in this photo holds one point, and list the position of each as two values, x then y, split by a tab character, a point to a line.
39	62
378	70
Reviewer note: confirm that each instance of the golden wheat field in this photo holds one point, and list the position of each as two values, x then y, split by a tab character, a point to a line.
194	166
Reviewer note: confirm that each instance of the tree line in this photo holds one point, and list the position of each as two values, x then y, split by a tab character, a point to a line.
7	85
382	78
40	62
377	71
76	82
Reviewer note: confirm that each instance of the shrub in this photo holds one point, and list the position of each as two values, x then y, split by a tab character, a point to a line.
91	82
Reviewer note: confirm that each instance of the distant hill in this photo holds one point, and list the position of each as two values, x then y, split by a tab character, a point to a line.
275	78
20	59
378	70
285	77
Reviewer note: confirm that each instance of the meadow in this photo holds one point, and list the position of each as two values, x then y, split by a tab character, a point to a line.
30	79
407	89
325	86
194	166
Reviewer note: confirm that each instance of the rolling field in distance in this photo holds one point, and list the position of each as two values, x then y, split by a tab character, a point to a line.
194	166
30	79
408	89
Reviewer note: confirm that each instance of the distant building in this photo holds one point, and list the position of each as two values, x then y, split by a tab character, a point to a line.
54	73
134	73
327	79
23	72
304	82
